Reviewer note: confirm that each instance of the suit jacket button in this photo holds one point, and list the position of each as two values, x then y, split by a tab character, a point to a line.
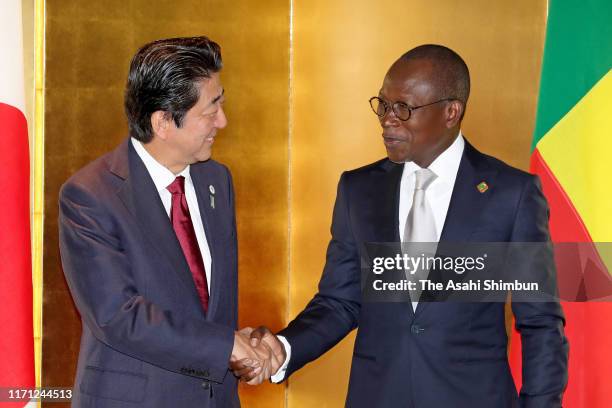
416	329
206	385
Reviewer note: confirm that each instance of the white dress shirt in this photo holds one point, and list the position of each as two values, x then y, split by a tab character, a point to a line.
162	178
438	195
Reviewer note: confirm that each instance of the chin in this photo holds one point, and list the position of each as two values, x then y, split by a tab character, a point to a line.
396	157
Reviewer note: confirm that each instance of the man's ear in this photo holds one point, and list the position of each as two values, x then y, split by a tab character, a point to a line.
160	123
454	113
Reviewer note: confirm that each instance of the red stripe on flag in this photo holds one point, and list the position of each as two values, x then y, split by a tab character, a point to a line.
588	324
16	328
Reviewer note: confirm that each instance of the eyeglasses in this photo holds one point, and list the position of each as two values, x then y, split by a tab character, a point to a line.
401	110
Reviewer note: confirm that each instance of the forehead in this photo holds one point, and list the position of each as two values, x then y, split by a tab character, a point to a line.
409	79
210	88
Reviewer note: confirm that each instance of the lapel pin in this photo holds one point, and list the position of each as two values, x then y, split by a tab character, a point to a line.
482	186
211	188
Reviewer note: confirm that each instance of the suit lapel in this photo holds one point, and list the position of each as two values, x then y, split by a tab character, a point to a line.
383	218
466	205
384	208
467	202
202	180
140	196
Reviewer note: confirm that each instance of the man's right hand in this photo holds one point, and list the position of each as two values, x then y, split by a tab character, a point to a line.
258	358
260	337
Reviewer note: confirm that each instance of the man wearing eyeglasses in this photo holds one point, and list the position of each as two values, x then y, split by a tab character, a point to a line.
434	186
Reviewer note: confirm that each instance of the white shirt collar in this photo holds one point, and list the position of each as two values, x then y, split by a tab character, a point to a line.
446	165
162	177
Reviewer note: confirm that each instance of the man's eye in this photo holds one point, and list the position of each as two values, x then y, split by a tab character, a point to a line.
402	107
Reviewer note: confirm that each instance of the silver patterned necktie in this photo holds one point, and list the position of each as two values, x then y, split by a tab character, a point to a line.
420	225
420	230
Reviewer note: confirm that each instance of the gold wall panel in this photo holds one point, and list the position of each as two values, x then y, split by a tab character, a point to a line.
285	173
341	51
89	46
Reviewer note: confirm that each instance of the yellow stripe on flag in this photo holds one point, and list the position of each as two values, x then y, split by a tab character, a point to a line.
578	150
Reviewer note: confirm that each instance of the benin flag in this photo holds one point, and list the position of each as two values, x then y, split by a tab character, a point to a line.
16	328
572	154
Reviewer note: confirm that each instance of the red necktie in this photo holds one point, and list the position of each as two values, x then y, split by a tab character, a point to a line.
183	227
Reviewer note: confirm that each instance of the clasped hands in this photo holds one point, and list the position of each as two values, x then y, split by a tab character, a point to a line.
257	355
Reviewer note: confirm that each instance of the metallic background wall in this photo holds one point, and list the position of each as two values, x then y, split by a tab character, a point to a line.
298	116
89	46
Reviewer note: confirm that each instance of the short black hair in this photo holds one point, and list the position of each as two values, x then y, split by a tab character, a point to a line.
164	75
451	72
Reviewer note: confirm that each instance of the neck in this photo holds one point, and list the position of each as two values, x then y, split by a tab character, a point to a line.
444	144
161	156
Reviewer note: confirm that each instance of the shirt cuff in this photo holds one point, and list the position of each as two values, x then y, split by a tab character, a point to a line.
279	376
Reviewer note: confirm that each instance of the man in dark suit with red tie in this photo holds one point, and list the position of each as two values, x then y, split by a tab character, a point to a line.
148	244
433	187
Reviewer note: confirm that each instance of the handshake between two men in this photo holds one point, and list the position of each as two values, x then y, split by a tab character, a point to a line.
257	355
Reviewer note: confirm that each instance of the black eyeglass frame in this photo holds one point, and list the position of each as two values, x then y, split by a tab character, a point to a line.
394	109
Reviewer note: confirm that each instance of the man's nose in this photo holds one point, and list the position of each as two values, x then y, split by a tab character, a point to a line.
221	120
389	119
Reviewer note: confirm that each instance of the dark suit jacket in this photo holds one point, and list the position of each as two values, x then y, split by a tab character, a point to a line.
447	354
146	340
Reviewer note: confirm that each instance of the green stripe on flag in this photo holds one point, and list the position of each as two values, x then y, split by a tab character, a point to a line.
577	54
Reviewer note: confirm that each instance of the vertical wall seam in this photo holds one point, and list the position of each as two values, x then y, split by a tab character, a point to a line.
38	184
289	175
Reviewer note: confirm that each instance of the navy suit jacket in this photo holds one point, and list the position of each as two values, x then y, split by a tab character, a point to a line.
146	340
445	354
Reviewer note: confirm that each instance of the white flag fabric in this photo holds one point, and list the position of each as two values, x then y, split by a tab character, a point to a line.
16	320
